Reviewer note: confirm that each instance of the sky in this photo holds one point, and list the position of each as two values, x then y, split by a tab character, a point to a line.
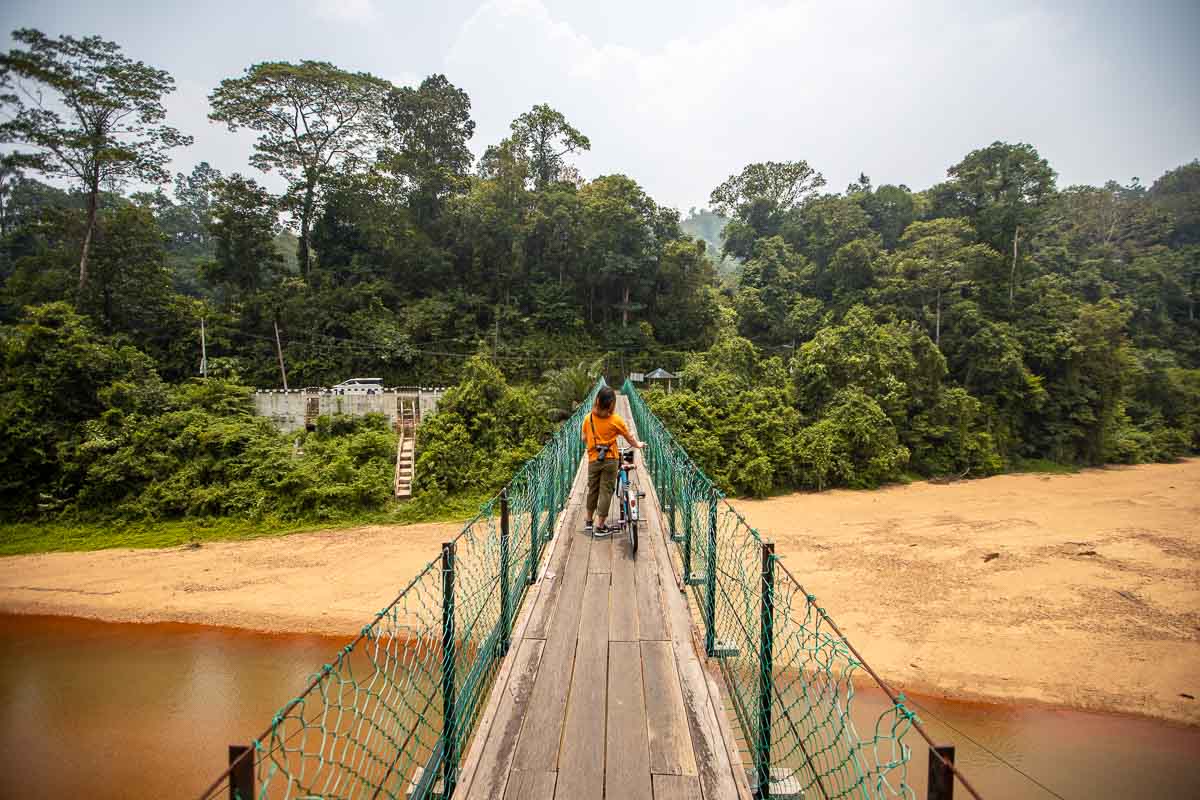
681	95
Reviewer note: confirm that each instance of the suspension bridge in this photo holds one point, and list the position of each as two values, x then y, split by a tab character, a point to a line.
532	660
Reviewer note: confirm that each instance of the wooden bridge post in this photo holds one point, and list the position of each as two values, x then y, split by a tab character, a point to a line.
710	577
449	661
766	686
505	596
941	777
241	772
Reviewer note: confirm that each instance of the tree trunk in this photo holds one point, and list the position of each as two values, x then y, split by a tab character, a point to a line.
306	211
93	202
1012	280
937	323
625	308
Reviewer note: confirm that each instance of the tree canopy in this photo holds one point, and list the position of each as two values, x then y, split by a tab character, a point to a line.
824	338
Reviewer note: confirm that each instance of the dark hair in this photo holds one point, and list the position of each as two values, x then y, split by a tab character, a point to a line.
606	401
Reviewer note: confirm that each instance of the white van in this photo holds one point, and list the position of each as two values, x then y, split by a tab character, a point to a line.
359	386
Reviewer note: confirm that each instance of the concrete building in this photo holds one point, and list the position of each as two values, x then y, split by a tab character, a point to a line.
298	408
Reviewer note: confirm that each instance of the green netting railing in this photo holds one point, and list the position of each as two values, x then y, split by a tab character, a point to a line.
789	672
390	716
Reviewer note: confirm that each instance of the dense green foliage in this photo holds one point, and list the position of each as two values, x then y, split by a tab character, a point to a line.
825	339
89	428
483	431
987	322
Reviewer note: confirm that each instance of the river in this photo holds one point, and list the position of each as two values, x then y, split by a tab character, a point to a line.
100	710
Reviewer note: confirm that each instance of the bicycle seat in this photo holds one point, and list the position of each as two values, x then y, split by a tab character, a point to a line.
627	456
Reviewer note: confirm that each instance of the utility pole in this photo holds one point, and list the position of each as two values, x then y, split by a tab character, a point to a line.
203	351
279	351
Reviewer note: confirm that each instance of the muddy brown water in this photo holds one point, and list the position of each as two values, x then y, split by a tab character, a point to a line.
98	710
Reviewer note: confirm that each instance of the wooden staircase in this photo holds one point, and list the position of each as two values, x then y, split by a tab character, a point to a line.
312	409
408	416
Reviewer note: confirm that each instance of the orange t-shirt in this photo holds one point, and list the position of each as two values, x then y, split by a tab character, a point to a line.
606	431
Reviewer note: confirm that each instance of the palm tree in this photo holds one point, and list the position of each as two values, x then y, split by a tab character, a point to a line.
564	388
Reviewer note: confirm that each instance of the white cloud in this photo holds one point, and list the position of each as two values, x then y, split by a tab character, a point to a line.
854	86
345	10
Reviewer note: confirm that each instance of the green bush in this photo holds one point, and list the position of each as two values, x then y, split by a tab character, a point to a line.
483	431
854	444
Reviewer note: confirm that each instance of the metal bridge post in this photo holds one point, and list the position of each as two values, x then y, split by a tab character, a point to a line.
505	596
550	500
241	773
535	541
941	777
766	658
687	543
670	498
710	578
449	662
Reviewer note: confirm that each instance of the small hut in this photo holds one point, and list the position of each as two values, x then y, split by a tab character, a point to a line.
661	374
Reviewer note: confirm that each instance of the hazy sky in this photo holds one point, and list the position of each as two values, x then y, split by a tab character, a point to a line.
681	95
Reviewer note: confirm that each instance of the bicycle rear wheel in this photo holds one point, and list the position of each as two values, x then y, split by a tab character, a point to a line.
633	536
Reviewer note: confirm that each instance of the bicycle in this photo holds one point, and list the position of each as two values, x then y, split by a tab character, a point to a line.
629	494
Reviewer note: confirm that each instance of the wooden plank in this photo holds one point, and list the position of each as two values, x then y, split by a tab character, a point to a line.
623	625
719	764
525	785
581	758
627	765
666	722
601	558
497	755
537	749
491	724
570	520
551	585
652	619
676	787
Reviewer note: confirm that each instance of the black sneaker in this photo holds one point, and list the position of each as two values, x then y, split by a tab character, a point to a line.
588	529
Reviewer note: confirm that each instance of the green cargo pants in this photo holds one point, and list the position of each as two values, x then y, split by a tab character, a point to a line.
602	479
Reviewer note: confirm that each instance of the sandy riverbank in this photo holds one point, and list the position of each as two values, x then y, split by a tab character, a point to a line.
329	582
1092	601
1079	590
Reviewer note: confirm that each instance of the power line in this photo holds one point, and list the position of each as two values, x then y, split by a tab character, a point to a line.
993	754
405	349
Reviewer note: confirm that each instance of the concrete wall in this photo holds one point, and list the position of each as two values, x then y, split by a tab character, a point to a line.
287	409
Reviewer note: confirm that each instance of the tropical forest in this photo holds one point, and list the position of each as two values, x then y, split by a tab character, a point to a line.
820	336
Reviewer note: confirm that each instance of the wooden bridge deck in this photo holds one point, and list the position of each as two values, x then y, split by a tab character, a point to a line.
604	693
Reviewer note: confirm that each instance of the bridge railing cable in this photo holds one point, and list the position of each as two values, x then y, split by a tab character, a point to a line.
391	714
789	672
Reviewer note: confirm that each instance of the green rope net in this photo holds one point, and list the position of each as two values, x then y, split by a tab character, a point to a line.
391	715
789	674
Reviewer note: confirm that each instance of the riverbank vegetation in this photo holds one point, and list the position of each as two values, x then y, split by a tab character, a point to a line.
823	338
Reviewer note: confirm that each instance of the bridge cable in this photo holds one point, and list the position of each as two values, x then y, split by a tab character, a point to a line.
982	747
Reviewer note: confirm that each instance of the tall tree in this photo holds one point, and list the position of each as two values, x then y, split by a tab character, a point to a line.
312	119
545	137
622	218
1001	189
938	259
243	225
757	199
92	114
431	126
1179	191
